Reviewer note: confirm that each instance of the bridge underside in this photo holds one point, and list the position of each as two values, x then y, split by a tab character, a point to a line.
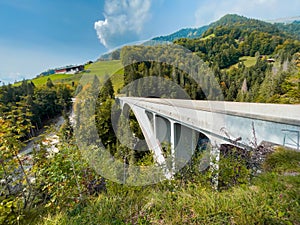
173	144
175	129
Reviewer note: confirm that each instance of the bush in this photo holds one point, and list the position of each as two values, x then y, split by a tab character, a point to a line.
232	171
283	160
10	211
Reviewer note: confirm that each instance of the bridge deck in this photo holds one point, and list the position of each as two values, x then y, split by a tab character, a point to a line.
282	113
225	121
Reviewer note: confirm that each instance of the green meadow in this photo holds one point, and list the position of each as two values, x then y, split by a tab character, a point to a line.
208	37
56	78
247	60
102	69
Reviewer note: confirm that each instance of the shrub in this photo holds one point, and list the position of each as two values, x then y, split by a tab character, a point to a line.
283	160
232	170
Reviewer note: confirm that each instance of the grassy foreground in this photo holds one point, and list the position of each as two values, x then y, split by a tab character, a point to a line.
270	198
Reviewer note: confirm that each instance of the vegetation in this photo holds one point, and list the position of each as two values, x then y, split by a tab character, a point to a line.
99	68
248	61
41	103
105	67
24	109
56	78
270	198
64	186
233	19
187	32
252	61
112	68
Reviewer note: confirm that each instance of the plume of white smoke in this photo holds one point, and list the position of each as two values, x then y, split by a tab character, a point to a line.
123	23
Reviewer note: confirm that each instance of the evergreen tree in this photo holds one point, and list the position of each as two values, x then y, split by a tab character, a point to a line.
49	83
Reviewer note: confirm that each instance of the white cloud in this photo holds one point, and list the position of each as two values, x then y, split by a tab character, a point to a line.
261	9
10	77
124	21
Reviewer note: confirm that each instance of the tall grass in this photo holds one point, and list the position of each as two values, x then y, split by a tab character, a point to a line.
283	161
270	198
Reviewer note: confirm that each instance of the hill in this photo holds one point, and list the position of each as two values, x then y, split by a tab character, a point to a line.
291	29
99	68
183	33
112	69
251	60
233	40
242	52
250	24
192	33
234	19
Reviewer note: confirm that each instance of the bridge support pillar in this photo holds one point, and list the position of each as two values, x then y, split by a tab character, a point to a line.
173	143
151	139
214	161
154	125
194	141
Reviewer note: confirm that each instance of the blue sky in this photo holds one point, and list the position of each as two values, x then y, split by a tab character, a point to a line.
37	35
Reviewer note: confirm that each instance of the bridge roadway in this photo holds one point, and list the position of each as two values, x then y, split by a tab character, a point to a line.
240	124
212	116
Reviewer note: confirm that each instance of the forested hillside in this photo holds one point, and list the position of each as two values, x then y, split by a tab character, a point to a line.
226	47
236	59
27	104
183	33
233	19
86	181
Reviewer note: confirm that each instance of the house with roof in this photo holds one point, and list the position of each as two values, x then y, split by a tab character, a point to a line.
69	69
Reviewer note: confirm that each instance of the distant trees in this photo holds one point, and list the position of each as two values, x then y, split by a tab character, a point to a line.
107	91
221	52
230	42
24	109
49	83
225	42
161	62
43	103
115	55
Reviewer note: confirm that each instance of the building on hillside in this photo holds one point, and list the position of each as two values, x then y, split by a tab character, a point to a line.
69	69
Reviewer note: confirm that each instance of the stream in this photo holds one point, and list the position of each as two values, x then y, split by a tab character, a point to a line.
50	139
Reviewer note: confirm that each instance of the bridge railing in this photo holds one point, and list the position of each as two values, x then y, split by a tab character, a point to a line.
291	138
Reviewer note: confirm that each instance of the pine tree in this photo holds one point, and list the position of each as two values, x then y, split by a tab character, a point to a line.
49	83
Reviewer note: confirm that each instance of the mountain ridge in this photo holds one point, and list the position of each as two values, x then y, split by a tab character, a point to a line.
227	20
183	33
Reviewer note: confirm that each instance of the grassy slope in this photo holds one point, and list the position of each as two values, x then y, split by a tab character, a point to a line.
105	67
208	37
247	60
113	69
56	78
272	198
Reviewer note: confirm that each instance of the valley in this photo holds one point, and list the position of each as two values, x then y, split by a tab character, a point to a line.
95	173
